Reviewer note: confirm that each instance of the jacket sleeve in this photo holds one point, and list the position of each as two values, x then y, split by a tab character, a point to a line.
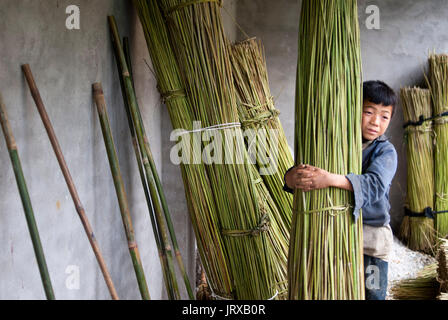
371	186
285	186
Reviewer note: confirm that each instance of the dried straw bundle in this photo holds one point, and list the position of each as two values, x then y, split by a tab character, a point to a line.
418	232
422	287
198	188
202	52
442	261
326	252
438	67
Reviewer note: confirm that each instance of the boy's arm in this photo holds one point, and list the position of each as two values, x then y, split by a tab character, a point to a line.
367	188
309	178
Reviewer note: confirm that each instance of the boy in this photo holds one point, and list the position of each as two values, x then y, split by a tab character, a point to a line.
371	189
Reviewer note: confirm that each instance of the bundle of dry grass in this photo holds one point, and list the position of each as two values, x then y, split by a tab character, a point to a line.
417	230
423	287
442	269
438	66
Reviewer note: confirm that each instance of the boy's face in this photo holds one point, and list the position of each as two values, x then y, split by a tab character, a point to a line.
375	120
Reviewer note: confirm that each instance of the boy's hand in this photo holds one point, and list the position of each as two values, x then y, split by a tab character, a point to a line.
308	178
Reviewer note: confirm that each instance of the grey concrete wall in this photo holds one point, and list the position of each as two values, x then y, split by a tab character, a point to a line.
396	54
65	64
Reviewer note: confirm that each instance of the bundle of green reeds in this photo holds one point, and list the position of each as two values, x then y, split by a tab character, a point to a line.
199	195
265	139
257	112
417	230
438	69
202	53
326	250
423	287
442	261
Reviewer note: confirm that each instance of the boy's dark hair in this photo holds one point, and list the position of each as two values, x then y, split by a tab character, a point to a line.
380	93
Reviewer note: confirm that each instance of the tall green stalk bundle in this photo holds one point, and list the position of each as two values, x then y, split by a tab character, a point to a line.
326	249
257	112
423	287
442	262
418	232
198	188
119	188
267	141
68	178
151	181
438	68
202	52
26	201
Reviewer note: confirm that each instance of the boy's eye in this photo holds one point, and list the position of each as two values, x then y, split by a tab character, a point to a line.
385	118
368	112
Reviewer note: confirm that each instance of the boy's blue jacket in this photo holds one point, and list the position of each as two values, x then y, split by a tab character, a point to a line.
371	189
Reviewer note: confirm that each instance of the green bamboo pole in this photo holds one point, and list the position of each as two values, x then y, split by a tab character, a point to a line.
68	178
166	212
26	201
167	276
119	188
143	147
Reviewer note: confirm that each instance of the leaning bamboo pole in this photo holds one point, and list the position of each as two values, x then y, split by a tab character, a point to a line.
168	276
198	190
68	179
326	249
26	201
417	230
166	212
120	191
151	173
